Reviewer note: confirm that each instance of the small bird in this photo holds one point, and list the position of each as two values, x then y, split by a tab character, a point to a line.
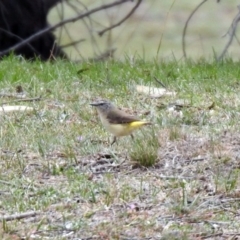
116	121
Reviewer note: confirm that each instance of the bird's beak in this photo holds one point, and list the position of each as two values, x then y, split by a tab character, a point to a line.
94	104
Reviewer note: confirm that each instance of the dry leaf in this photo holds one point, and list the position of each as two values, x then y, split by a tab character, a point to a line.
153	91
6	109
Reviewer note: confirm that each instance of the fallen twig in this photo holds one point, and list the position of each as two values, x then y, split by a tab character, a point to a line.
233	235
19	216
229	210
23	100
173	177
10	95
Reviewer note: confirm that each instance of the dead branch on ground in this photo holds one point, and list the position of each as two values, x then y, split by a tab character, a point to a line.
19	216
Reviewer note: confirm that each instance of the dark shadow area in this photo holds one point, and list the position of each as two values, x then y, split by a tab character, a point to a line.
22	19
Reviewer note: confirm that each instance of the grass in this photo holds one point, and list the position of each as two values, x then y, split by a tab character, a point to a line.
180	175
144	150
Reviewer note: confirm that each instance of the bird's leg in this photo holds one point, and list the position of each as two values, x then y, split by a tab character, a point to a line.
132	136
114	140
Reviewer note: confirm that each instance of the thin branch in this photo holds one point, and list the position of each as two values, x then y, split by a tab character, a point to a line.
89	26
74	43
51	28
19	38
60	13
233	29
237	39
69	35
121	21
61	16
186	25
78	11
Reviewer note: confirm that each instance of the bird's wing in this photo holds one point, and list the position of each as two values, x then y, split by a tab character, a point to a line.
120	117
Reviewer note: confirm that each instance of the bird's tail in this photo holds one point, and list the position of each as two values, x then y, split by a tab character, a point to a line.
137	124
